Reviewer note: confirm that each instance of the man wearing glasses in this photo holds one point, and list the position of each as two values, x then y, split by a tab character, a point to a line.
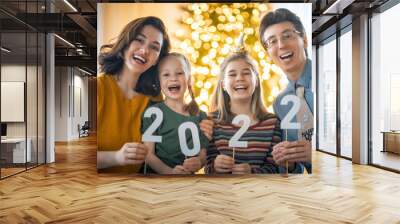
283	37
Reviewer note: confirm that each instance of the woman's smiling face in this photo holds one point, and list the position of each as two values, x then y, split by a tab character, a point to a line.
144	50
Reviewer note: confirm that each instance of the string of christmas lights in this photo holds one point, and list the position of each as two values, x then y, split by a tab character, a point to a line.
210	32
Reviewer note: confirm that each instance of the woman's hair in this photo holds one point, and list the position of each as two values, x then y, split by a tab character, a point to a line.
192	107
111	58
220	102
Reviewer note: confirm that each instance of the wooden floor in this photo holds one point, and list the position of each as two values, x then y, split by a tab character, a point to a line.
8	171
71	191
387	159
5	172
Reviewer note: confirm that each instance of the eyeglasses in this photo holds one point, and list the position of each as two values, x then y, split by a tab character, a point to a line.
286	36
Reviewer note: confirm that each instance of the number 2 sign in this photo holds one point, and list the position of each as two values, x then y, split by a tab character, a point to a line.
148	134
149	137
287	120
234	141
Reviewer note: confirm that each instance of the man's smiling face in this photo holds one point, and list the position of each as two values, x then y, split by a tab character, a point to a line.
286	47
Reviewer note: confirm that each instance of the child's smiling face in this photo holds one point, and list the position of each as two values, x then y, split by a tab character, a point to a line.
239	80
174	77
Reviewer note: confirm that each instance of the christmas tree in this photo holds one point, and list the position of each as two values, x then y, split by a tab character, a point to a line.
210	32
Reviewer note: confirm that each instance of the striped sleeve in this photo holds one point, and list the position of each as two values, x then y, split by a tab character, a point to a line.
277	136
212	153
265	168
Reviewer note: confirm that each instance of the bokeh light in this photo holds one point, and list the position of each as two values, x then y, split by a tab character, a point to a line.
208	34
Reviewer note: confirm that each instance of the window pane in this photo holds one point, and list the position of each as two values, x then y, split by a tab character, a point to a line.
385	88
327	97
14	146
346	94
31	96
41	99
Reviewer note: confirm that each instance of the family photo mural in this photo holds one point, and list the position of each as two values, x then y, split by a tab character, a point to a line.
204	88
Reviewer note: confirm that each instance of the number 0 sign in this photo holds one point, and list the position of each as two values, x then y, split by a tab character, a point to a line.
195	137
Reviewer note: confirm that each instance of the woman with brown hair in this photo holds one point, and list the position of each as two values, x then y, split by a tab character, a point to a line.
124	89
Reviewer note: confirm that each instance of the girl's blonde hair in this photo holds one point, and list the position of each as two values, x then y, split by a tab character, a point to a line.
192	108
220	103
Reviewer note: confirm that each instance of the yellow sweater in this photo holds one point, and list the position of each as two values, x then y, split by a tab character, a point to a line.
118	119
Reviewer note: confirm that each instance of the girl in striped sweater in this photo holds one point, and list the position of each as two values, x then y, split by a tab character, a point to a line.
239	92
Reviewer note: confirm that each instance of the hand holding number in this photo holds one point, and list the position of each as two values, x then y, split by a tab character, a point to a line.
180	170
297	151
243	168
223	164
131	153
192	164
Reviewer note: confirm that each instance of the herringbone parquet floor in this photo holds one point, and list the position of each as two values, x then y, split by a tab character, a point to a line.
71	191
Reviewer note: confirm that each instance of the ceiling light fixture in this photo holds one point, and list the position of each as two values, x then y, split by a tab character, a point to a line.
5	50
337	7
64	40
70	5
84	71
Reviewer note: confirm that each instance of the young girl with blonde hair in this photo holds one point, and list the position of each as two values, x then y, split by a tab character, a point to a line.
238	92
166	157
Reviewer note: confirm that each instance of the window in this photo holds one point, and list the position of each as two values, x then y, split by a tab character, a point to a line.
385	87
327	96
22	66
346	93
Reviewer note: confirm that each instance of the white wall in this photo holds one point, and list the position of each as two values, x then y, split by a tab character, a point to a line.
33	126
12	73
61	103
71	93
